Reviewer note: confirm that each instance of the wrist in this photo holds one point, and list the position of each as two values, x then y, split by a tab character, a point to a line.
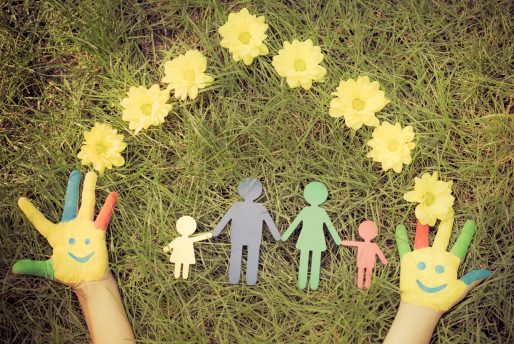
104	311
413	325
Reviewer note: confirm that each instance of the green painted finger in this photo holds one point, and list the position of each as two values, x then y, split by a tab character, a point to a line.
462	244
402	240
43	268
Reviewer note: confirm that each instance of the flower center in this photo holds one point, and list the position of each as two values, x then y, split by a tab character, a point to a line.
146	109
429	199
189	75
100	149
299	65
393	145
358	104
245	37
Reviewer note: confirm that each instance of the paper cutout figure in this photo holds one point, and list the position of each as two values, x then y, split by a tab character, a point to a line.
312	237
366	252
182	250
246	230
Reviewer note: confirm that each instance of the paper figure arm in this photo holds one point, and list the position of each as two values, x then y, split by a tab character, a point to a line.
224	221
293	226
201	237
168	247
271	225
350	243
380	255
331	229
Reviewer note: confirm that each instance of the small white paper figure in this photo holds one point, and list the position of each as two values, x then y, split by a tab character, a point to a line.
182	250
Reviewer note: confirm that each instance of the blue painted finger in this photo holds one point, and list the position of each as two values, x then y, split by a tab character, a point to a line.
475	276
71	200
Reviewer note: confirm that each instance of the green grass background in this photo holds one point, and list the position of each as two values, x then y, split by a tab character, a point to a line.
445	66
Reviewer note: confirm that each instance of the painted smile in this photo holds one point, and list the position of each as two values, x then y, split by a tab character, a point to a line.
428	289
81	259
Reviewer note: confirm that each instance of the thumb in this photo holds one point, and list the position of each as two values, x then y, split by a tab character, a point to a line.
471	279
43	268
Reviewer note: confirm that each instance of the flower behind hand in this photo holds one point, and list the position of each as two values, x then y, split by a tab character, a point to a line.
102	148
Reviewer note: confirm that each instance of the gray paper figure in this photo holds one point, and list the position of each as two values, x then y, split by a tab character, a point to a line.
246	230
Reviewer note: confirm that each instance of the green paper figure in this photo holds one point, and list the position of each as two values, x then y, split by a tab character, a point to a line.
312	236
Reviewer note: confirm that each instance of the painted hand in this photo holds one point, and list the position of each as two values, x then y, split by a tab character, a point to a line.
78	242
428	275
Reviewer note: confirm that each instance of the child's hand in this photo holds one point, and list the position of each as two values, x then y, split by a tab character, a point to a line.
79	248
428	276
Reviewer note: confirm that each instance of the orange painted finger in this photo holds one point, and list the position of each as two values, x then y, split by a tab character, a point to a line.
421	238
104	216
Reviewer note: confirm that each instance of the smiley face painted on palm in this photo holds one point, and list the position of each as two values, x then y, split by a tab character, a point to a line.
429	278
80	252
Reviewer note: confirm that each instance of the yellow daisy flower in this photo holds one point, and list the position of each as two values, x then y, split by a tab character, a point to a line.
434	197
243	35
358	100
391	145
186	74
102	148
145	107
298	62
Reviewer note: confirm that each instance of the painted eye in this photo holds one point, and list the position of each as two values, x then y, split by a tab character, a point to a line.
439	269
87	241
421	266
72	241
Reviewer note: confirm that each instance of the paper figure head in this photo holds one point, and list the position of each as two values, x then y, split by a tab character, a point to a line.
186	225
368	230
250	189
315	193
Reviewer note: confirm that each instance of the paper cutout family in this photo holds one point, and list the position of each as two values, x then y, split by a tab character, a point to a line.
247	219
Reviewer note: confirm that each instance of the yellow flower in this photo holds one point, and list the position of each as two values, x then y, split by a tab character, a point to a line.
434	197
145	107
186	74
298	62
391	145
358	100
243	35
102	147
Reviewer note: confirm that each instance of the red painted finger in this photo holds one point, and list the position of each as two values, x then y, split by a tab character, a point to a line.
421	239
104	216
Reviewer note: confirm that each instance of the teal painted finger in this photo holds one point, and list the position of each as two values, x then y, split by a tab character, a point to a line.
43	268
462	244
402	240
71	200
475	276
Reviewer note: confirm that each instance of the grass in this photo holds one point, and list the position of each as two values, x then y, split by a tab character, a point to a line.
445	66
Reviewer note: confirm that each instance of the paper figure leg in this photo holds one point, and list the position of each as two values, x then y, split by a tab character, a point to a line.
304	267
177	270
367	283
185	271
252	268
315	267
360	277
236	255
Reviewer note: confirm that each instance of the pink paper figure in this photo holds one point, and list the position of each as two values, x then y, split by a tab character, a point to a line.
366	252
